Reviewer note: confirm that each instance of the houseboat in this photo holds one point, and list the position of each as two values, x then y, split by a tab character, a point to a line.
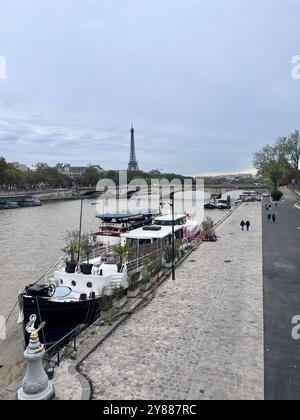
185	230
67	300
113	225
30	202
210	206
16	201
250	196
191	228
7	205
223	204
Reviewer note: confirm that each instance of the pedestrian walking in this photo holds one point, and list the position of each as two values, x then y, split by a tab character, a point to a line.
274	218
242	225
269	217
248	224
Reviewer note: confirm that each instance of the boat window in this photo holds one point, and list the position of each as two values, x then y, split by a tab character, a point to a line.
89	285
144	241
62	292
73	283
61	282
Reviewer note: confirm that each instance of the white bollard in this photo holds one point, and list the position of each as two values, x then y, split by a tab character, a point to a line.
35	385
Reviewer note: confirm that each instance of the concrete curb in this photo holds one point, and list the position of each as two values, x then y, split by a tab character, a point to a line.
297	196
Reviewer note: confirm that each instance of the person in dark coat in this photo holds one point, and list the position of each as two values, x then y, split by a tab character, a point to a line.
242	225
274	218
269	217
248	224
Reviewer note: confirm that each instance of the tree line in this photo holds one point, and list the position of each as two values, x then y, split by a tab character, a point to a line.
45	176
279	163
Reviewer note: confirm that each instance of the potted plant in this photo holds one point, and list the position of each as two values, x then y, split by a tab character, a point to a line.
87	248
168	257
119	297
157	271
177	249
133	288
106	304
122	252
71	248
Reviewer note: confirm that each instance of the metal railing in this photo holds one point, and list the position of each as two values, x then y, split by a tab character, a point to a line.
49	274
98	252
61	350
60	262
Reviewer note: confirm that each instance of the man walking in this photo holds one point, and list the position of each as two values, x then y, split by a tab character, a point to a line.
242	225
269	217
274	218
248	224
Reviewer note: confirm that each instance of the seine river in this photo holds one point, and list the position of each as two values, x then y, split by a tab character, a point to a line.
31	240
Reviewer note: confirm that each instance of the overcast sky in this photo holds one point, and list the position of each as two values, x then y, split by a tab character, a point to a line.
206	82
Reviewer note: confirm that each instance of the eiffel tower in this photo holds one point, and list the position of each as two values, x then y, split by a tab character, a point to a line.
133	164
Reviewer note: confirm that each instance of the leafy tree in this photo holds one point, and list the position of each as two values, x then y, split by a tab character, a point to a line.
90	177
71	244
270	164
294	149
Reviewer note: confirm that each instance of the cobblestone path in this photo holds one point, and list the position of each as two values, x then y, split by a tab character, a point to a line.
202	336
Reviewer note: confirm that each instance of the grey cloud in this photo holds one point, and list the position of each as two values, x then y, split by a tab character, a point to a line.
206	83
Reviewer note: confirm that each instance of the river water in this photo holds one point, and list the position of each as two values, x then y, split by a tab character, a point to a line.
31	240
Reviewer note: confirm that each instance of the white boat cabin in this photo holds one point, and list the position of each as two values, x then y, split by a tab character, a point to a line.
160	234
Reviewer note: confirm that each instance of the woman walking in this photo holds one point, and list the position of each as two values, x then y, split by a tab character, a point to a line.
242	225
248	224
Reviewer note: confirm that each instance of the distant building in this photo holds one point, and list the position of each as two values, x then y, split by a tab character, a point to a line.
133	164
19	166
75	171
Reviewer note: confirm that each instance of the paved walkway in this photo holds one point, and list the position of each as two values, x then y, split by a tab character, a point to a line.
281	300
202	336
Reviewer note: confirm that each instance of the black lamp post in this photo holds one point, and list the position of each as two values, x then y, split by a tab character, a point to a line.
85	195
172	204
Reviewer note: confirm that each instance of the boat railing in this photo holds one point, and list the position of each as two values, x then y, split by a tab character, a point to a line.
61	350
153	254
49	274
99	252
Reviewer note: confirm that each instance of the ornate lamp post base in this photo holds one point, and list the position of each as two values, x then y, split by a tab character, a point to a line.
35	385
47	394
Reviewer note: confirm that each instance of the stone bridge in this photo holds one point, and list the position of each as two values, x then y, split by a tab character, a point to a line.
65	194
213	189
